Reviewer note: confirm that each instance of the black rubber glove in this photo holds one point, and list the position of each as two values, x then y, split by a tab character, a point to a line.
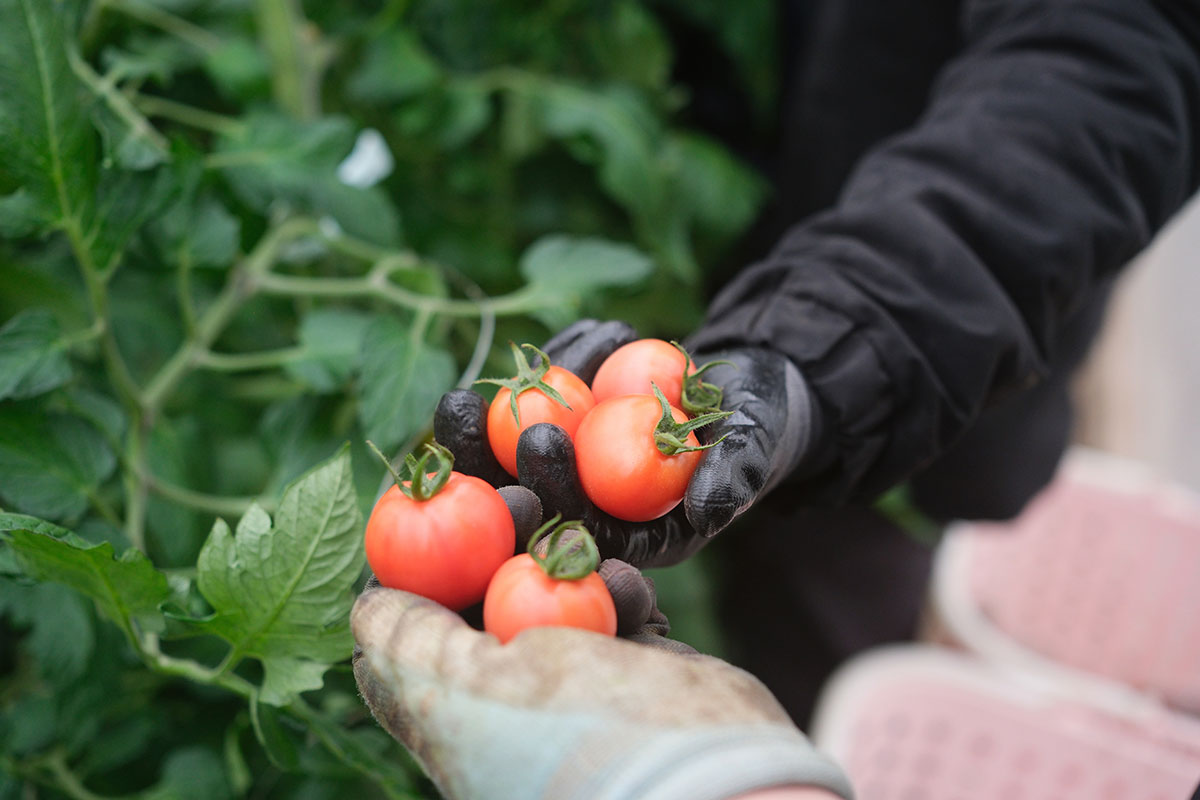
773	429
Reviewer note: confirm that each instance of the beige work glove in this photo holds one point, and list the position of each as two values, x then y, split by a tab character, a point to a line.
564	714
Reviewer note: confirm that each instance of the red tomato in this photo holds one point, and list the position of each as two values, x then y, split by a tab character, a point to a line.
445	548
533	406
621	468
521	595
632	367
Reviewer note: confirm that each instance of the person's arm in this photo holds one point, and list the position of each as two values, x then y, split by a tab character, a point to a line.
1054	146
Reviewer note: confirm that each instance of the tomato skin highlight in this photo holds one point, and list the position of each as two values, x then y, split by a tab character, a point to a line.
534	406
445	548
632	367
621	469
521	596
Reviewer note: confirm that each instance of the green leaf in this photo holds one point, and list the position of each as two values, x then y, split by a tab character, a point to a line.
99	409
285	678
284	590
451	117
633	47
152	58
125	201
240	68
197	229
174	533
126	589
269	729
192	773
402	380
31	723
369	752
722	195
273	159
61	633
124	144
121	743
33	358
19	214
24	522
396	66
47	143
571	266
614	128
50	465
332	340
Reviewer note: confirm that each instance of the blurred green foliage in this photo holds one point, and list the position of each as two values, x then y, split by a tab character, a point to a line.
236	234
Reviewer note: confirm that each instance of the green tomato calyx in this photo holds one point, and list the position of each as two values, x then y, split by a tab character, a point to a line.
697	396
568	553
527	377
670	437
425	482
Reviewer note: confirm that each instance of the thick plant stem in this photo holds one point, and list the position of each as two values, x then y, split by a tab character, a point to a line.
135	484
294	73
209	326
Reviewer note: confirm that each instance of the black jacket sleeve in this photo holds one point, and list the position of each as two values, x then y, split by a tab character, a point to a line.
1054	146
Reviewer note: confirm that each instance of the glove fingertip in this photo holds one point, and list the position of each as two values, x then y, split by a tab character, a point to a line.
526	511
630	594
714	500
546	465
460	424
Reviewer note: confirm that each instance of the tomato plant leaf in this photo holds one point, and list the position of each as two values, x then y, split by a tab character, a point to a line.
283	589
269	729
126	588
24	522
193	773
402	380
613	128
61	635
47	143
272	159
33	357
569	267
50	465
332	343
720	194
395	66
368	751
284	678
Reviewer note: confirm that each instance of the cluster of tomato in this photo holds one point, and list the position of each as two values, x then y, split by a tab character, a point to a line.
449	536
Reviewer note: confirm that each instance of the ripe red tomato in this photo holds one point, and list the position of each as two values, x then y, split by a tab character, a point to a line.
620	466
632	367
533	406
521	595
446	547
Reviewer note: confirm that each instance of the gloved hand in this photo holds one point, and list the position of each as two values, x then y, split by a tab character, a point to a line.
560	713
774	427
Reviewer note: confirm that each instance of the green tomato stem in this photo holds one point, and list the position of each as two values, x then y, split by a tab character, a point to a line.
421	486
570	560
527	377
697	396
670	437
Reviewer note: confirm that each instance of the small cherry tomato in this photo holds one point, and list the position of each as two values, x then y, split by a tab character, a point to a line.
636	367
635	455
560	588
545	394
443	540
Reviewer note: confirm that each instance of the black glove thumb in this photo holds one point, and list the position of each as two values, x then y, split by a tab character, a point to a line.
772	429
